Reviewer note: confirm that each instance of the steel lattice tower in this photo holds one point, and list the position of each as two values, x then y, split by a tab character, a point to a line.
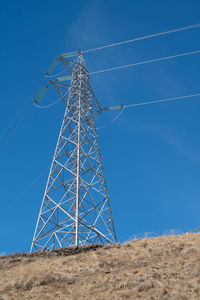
75	209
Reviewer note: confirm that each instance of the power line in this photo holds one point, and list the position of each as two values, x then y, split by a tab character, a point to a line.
51	104
55	74
113	120
145	62
14	119
47	106
23	192
161	100
96	72
12	122
15	128
144	37
122	107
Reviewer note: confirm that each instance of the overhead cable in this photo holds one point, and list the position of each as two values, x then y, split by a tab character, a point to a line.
16	199
49	105
144	37
13	121
113	120
161	100
46	75
123	107
14	129
145	62
14	118
53	103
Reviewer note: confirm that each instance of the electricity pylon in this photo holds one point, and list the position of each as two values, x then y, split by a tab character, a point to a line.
75	209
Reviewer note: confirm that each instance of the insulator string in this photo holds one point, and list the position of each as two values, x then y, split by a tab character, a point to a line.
147	103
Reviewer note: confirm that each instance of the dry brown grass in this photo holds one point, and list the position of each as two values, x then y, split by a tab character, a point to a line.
163	268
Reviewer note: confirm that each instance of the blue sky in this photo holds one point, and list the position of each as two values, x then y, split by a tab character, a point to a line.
151	154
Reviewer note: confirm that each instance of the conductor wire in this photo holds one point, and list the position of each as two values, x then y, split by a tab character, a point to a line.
145	62
144	37
14	129
55	74
12	204
51	104
147	103
113	120
162	100
14	119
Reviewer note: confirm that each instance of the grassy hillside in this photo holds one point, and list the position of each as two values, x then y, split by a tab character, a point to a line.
166	267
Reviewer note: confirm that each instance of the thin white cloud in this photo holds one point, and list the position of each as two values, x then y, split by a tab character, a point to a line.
174	139
179	143
86	29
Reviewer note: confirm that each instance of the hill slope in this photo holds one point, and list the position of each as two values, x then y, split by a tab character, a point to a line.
166	267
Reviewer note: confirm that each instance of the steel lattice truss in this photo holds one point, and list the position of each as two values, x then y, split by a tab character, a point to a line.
75	209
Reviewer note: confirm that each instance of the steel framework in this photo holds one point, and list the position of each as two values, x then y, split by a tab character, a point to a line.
75	209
